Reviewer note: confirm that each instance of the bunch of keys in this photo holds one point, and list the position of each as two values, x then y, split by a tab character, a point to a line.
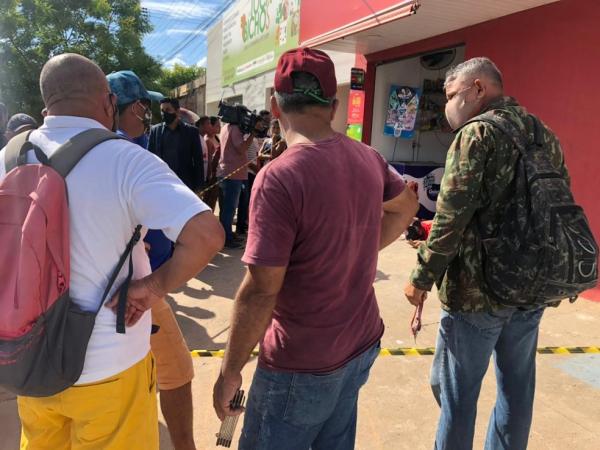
225	434
416	322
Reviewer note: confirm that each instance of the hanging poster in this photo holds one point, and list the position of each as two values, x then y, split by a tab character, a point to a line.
401	116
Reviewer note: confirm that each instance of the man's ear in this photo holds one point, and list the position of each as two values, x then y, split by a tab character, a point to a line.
275	111
108	105
480	88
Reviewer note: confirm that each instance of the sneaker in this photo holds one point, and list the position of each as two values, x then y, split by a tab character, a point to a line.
233	245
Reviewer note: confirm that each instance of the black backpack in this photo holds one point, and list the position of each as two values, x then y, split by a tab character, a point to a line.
544	251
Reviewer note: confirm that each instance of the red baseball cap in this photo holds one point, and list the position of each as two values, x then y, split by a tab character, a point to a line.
309	60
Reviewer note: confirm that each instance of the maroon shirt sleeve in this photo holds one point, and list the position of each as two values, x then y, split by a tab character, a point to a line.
394	183
272	227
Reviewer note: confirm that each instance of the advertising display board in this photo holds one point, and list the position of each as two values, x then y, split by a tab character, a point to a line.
255	34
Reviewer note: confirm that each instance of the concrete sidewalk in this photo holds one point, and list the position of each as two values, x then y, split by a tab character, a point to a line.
397	410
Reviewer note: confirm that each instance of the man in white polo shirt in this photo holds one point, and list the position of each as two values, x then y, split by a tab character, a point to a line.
115	187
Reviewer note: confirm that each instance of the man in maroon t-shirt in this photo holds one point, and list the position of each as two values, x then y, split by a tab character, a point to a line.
312	253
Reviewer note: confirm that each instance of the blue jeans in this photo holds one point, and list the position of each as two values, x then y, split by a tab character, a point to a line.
300	411
244	204
464	346
230	192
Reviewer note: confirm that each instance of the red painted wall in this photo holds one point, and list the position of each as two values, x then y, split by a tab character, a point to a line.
550	59
320	16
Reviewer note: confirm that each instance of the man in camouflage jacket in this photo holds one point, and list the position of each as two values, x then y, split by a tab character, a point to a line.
475	191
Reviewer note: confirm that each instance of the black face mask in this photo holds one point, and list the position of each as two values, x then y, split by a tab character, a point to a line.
168	117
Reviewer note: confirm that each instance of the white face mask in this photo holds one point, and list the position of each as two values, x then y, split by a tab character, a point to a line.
459	110
147	118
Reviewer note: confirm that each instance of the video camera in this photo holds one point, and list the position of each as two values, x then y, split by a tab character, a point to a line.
242	117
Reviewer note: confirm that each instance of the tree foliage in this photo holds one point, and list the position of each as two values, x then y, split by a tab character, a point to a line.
178	75
109	32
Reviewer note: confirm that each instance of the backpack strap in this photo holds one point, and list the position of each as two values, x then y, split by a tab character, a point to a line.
506	126
63	161
71	152
16	152
121	305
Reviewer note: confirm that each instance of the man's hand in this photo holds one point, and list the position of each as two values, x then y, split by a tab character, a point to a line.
415	295
223	393
141	296
413	186
415	244
397	215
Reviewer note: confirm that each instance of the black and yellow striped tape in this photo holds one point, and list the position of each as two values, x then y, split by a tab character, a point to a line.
426	351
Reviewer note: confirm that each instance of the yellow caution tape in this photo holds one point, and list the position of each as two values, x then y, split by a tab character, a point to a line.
426	351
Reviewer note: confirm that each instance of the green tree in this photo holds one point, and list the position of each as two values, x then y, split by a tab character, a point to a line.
31	31
176	76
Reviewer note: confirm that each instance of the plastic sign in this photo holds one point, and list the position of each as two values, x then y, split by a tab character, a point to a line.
255	34
356	107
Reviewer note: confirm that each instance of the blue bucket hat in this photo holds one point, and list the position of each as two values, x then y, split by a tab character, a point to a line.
129	88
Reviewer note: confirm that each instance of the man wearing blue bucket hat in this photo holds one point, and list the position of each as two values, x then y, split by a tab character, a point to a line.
173	360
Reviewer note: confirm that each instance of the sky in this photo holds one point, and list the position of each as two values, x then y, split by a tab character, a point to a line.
180	28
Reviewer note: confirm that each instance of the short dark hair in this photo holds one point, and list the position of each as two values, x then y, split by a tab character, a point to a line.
173	101
202	120
298	102
264	112
214	120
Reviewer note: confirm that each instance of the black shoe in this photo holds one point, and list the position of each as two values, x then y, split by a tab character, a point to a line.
238	238
233	245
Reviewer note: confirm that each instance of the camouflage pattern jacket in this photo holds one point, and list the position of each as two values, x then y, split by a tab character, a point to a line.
480	168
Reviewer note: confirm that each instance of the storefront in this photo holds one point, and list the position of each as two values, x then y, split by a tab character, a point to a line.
243	50
547	51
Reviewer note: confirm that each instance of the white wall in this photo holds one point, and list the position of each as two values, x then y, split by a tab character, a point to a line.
253	90
432	146
340	121
214	65
343	62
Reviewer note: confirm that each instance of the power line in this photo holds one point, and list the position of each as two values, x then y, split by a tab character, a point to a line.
176	18
203	26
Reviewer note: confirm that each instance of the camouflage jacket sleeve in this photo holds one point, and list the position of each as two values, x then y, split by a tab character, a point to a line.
459	198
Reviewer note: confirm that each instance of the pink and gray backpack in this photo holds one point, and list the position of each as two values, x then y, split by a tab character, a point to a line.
43	333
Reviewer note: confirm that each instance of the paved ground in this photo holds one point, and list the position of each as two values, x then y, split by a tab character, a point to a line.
397	410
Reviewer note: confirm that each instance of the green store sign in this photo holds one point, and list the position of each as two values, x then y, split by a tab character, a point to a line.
255	34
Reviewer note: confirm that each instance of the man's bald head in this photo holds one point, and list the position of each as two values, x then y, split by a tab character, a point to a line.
72	85
71	78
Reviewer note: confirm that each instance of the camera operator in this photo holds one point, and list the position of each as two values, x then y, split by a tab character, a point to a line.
234	155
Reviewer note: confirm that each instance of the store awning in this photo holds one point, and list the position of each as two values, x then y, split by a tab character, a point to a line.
411	21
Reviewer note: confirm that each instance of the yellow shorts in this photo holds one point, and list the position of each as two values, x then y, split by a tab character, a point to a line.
174	367
118	413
